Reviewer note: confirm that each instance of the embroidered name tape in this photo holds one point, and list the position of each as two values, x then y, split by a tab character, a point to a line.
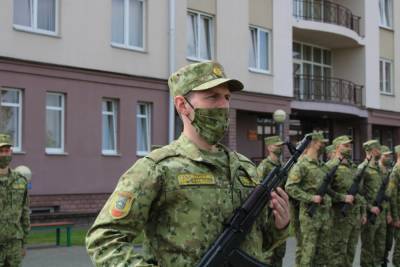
196	179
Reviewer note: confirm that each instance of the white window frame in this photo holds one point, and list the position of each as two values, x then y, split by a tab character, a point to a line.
126	44
51	150
269	40
33	28
212	36
148	126
19	106
114	114
383	79
388	23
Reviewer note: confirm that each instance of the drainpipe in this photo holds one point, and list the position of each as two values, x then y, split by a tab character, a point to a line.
172	66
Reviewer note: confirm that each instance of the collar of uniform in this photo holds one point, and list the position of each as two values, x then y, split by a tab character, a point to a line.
188	149
273	162
311	160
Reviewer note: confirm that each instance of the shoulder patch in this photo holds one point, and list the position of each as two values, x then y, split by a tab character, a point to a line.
247	181
121	204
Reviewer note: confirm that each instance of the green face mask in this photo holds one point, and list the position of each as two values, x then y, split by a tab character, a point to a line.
346	153
277	151
5	161
387	162
377	157
210	123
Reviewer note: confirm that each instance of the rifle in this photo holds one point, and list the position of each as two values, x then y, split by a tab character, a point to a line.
225	249
323	189
354	188
380	197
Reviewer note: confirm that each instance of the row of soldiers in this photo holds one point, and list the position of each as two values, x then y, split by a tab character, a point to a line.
330	236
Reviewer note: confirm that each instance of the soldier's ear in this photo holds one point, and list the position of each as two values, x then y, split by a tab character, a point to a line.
181	105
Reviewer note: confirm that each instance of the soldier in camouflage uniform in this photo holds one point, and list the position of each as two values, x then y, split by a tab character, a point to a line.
394	187
303	182
345	231
372	235
274	147
14	205
180	195
330	152
385	165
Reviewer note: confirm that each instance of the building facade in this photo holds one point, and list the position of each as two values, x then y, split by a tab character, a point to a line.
84	83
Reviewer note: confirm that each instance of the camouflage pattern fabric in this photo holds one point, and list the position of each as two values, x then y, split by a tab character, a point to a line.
180	198
303	182
276	259
346	230
394	186
14	217
373	236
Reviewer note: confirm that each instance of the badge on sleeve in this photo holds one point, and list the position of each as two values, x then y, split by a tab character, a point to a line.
121	204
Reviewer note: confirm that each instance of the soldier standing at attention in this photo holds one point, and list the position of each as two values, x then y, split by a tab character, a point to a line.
182	194
303	182
394	187
346	230
385	165
14	204
274	146
371	251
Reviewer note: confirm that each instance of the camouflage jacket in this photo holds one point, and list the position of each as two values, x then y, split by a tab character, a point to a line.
14	206
372	180
266	167
304	179
342	182
181	200
393	188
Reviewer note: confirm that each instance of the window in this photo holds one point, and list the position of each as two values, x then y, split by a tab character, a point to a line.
385	76
109	121
143	130
11	115
200	36
36	15
128	24
386	13
55	123
259	49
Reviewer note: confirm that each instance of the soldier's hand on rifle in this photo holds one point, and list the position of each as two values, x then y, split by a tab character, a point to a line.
317	199
389	218
280	208
363	220
349	199
376	211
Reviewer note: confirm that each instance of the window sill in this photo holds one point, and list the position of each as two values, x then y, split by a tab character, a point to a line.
50	153
142	154
195	59
387	94
386	28
129	48
36	31
111	154
19	152
260	71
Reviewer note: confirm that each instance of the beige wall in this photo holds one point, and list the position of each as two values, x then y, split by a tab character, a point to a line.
207	6
85	40
260	13
346	64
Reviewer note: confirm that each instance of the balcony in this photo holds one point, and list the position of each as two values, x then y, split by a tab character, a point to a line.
326	12
328	90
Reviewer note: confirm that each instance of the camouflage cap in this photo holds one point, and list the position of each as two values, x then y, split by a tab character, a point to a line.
5	140
341	140
370	144
330	148
200	76
385	150
397	149
273	140
318	136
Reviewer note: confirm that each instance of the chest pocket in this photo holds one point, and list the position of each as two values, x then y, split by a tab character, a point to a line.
243	184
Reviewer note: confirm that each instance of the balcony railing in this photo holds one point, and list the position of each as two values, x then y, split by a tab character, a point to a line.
327	12
323	89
